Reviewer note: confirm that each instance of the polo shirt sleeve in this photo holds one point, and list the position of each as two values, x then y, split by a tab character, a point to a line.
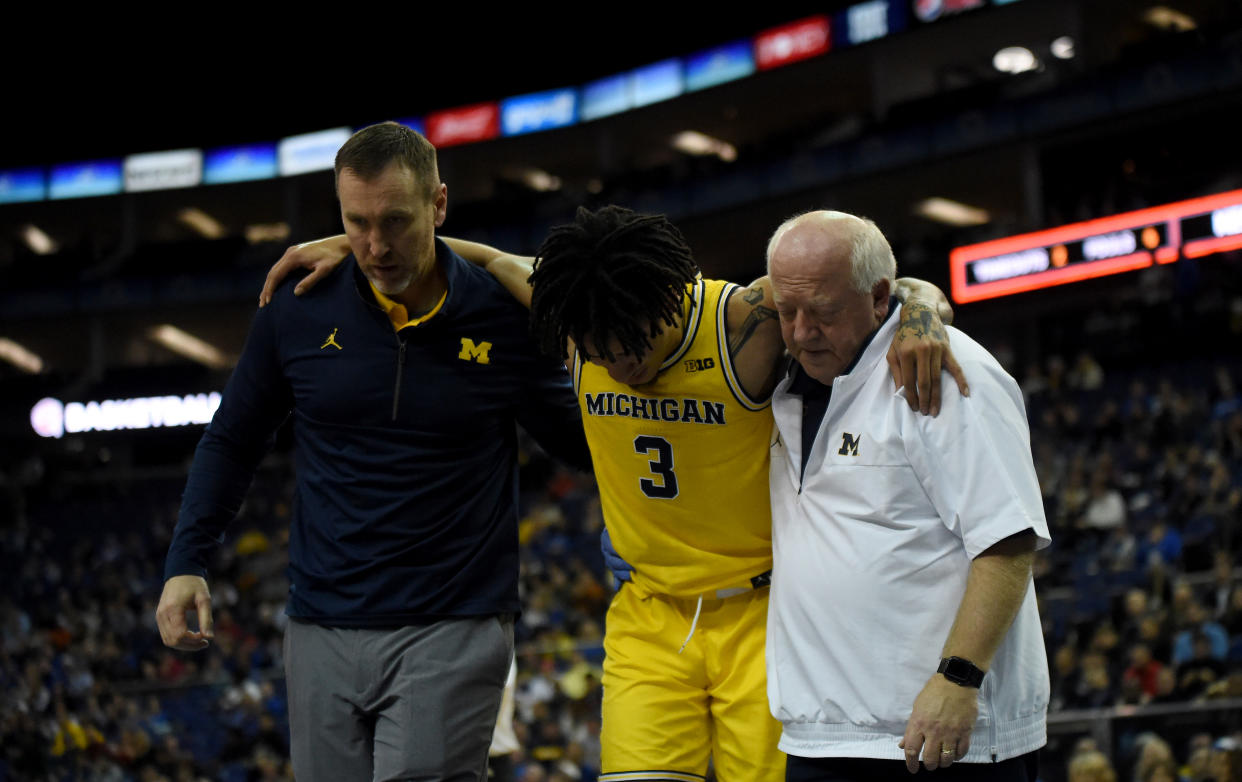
974	460
255	402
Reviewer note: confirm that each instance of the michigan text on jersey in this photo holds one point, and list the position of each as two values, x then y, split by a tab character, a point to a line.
686	411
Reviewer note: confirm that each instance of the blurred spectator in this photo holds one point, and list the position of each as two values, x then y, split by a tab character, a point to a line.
1196	622
1105	508
1091	766
1150	752
1204	668
1143	670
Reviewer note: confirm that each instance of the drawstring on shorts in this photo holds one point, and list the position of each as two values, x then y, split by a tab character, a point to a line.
693	623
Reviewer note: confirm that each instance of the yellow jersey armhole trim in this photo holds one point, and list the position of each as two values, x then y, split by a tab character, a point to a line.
726	360
691	328
575	373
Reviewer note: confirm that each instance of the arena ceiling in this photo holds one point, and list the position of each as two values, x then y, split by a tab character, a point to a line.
204	90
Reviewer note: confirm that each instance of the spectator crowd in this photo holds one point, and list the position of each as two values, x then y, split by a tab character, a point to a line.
1141	597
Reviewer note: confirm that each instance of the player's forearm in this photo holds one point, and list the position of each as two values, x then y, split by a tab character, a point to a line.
475	252
512	271
912	291
995	590
338	244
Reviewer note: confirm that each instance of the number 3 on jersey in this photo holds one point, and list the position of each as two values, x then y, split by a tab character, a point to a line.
662	466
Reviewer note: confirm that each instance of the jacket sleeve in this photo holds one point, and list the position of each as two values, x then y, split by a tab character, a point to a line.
548	411
255	402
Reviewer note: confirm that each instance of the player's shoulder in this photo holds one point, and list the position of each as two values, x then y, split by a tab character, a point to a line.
743	299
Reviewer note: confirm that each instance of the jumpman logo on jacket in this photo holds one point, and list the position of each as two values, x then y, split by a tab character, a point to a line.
331	341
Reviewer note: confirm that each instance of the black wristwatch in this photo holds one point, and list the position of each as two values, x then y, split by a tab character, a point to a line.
961	671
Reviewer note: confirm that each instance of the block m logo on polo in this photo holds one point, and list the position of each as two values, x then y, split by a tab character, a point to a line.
849	444
472	352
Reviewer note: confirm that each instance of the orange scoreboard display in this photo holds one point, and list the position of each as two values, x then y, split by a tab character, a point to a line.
1097	248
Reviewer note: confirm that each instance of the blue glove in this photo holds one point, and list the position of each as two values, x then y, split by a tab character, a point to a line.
622	571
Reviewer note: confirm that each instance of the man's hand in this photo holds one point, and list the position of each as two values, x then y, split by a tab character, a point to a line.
181	594
940	725
919	350
321	257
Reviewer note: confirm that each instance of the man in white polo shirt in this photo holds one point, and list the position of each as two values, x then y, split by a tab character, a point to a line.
903	624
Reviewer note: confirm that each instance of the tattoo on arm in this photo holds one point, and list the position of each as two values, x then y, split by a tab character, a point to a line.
758	314
752	296
919	321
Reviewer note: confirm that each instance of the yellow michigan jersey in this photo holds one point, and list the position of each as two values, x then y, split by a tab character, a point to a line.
682	461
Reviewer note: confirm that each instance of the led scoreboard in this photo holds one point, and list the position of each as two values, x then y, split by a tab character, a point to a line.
1097	248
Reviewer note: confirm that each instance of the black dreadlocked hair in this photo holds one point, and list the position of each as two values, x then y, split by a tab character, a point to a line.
611	273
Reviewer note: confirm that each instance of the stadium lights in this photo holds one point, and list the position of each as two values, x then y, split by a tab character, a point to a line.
540	181
1063	48
1015	59
201	223
38	241
267	232
693	142
20	357
1166	18
189	346
944	210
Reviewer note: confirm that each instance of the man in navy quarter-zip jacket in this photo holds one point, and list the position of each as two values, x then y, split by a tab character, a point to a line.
405	372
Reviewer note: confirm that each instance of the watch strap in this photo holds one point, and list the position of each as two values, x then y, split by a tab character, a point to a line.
961	671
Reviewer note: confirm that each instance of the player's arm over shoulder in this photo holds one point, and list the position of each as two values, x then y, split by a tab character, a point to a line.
754	334
512	271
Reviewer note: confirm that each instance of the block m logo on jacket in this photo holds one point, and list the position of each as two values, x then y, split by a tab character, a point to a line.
472	352
849	444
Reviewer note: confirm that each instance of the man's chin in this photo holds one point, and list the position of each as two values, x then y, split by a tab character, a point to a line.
390	287
822	367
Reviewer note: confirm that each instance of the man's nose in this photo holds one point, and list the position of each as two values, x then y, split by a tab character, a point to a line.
803	328
377	244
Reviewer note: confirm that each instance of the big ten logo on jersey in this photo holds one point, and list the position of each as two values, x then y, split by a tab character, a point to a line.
699	364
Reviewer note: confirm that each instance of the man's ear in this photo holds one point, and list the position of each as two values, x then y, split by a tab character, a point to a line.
441	204
880	293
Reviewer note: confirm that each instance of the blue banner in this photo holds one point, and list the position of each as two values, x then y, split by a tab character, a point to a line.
22	185
719	65
538	111
78	180
240	164
869	21
607	96
657	82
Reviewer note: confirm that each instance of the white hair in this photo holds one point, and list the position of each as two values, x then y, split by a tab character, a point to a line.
871	257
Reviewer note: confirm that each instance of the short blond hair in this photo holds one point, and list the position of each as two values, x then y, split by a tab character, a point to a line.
1091	766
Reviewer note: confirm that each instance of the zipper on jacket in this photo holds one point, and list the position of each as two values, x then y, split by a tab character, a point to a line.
396	391
993	750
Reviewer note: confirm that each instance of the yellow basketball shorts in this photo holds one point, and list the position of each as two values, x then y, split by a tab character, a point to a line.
666	713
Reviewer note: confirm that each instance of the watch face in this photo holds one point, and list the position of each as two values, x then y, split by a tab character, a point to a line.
960	671
956	671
